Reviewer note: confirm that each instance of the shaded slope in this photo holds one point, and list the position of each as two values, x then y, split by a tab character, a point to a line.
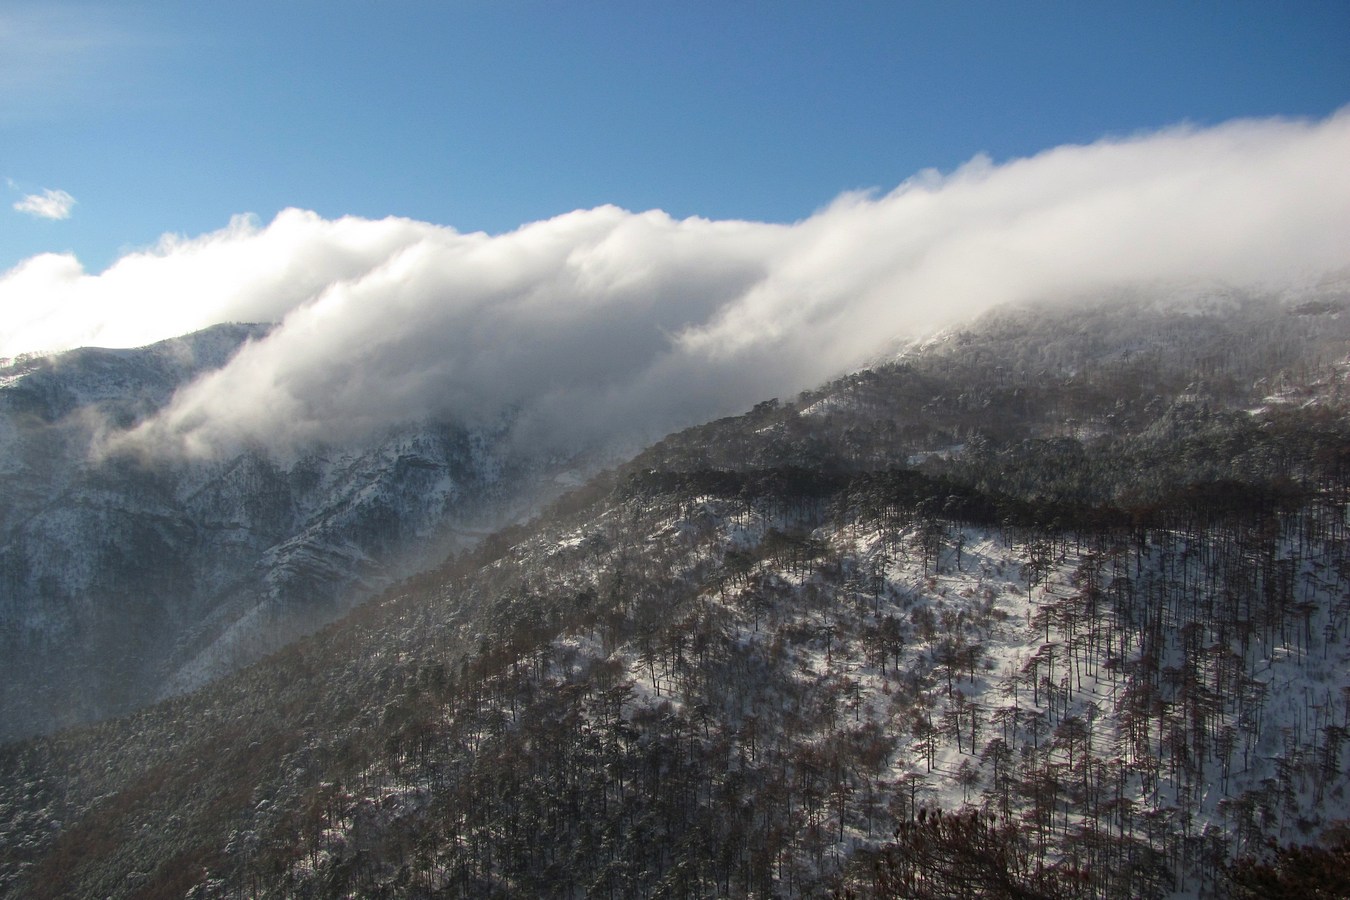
126	578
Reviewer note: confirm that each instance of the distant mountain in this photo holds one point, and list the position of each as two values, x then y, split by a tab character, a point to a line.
1052	606
125	579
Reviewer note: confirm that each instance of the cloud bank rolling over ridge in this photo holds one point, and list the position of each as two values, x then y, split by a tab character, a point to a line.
608	321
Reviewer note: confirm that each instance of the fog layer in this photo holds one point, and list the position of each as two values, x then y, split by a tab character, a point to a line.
609	322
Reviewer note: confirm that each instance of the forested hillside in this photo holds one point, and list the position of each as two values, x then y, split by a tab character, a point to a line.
1055	606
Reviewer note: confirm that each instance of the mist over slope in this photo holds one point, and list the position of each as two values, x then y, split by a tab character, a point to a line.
124	578
632	324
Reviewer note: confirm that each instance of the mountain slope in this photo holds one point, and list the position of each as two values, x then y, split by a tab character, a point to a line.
1084	576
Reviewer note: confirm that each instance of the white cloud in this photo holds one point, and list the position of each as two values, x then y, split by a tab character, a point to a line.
637	323
47	205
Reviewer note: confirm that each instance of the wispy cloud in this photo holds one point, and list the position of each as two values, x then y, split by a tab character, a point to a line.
605	320
47	205
58	55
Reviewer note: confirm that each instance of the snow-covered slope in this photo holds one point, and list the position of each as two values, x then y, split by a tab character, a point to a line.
1047	607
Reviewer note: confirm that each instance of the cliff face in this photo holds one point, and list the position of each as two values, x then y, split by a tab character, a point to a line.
123	580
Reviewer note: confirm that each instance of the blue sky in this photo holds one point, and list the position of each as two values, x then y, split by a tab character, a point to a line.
167	117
